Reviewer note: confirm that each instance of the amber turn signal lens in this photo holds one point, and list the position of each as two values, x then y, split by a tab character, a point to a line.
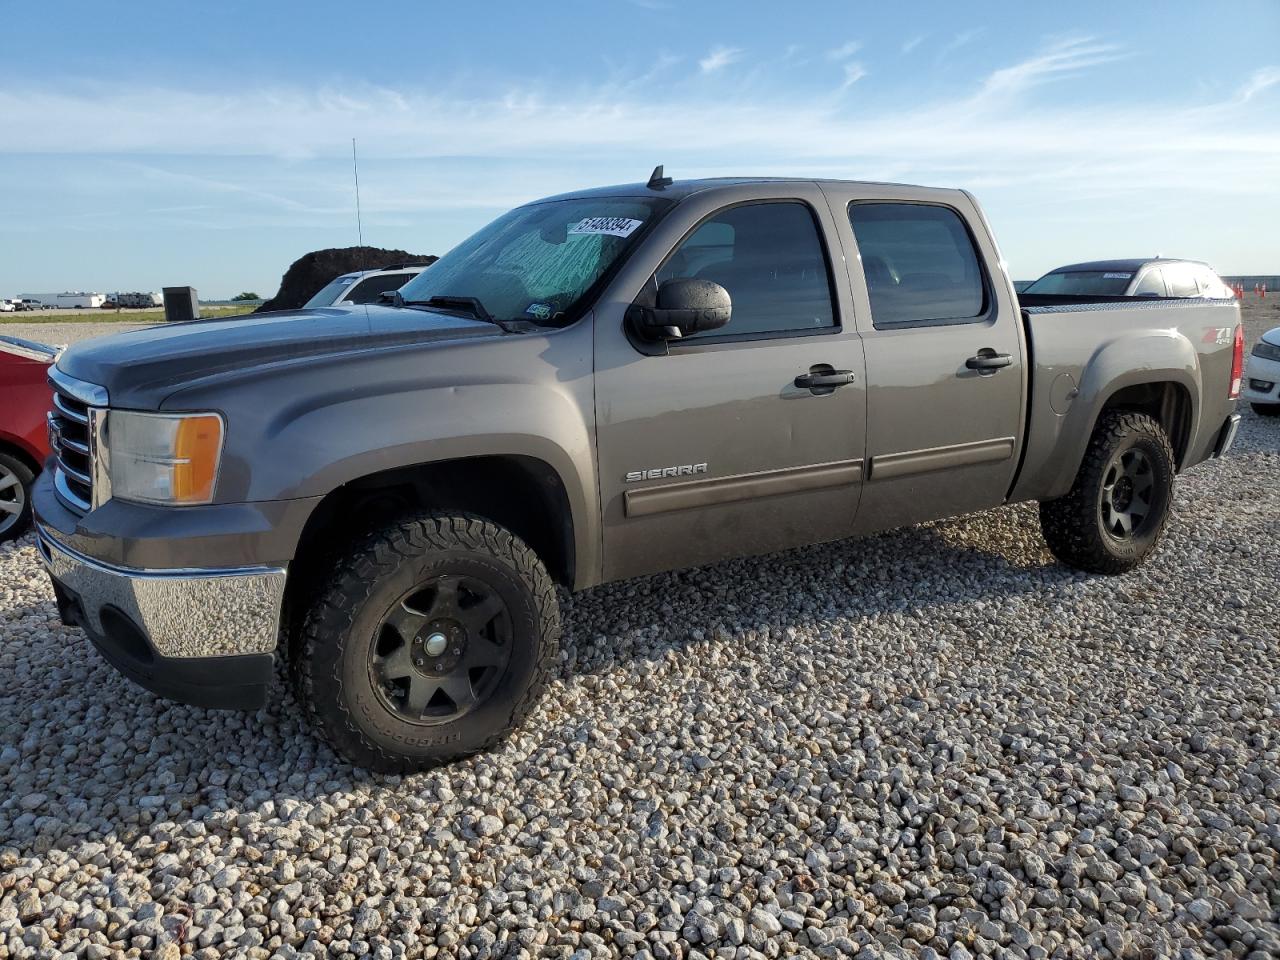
196	450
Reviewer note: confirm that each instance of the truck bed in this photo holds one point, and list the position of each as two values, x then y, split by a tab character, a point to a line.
1083	351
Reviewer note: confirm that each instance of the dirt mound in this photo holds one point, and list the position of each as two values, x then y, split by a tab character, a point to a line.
311	271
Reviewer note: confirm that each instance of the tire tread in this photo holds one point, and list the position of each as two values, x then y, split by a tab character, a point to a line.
1070	524
351	584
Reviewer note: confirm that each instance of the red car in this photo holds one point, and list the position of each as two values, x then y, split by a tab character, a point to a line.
25	399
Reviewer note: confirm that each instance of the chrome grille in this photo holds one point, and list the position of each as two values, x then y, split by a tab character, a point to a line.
74	421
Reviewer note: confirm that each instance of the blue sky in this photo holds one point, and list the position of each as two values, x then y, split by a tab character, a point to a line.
148	144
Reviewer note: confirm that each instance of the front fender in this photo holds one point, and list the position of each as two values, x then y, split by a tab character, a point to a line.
304	430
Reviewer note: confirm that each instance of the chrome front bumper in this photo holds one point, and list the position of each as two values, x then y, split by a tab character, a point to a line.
182	614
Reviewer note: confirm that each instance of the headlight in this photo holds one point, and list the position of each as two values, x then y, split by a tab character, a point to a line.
163	458
1267	351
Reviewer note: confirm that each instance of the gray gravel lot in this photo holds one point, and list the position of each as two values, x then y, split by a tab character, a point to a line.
936	742
62	333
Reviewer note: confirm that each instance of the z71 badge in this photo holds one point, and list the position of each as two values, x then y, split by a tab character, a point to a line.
657	473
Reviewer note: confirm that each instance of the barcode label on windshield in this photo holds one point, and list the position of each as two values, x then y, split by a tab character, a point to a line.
1116	276
608	226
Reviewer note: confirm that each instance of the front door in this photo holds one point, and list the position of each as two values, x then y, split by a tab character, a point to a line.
708	447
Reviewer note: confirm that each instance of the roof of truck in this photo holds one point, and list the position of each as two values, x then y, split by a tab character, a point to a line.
1132	265
679	189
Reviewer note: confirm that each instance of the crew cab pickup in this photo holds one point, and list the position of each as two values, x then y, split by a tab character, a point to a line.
596	386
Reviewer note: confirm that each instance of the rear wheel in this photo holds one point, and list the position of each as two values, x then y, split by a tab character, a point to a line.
1267	409
433	639
1115	513
15	497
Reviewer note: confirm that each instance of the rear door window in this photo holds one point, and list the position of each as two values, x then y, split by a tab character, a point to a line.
1181	280
1208	282
920	264
1151	284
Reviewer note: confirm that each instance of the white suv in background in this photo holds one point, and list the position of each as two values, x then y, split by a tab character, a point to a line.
1262	379
1144	277
364	286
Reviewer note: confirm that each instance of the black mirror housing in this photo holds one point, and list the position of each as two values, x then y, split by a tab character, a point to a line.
684	306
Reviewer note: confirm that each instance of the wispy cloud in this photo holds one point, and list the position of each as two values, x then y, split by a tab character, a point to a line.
911	44
845	50
719	58
853	72
1261	79
963	39
1062	58
277	153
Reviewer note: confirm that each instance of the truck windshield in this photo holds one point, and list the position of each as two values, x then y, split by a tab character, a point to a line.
328	294
540	262
1093	283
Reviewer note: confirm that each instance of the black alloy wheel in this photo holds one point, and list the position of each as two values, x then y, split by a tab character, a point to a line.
1112	518
1125	505
441	649
431	639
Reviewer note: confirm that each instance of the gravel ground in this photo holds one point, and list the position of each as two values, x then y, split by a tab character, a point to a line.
64	333
935	742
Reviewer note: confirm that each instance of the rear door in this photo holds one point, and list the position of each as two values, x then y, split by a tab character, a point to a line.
943	342
708	447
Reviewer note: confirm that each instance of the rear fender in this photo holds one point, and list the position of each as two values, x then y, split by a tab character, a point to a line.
1057	441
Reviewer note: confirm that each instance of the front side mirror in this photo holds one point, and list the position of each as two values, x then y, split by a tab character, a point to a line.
684	306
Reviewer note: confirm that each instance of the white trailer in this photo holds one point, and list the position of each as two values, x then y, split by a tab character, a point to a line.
137	299
67	300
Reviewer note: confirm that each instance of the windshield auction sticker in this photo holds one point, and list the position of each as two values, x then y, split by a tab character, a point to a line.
1116	276
607	226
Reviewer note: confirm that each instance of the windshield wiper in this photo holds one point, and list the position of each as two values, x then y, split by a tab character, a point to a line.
468	305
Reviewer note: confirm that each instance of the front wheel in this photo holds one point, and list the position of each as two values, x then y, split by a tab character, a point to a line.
1267	409
15	497
433	639
1115	513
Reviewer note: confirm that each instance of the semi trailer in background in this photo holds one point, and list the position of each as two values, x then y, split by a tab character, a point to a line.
65	301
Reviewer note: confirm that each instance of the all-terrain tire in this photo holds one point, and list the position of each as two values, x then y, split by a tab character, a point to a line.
333	675
1074	525
1266	409
15	511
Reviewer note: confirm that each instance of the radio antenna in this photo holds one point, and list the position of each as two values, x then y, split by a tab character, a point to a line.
355	173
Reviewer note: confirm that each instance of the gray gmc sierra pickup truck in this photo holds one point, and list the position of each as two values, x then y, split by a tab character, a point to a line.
600	385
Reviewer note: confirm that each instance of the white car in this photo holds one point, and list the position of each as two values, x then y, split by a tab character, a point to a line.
1262	378
364	286
7	306
1143	277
